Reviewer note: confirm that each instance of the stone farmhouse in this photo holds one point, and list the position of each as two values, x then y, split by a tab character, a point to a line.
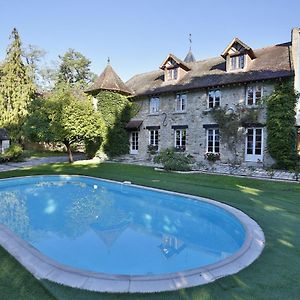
175	100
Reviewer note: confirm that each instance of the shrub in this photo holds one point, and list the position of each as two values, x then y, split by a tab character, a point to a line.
14	152
281	139
212	157
92	146
174	161
152	149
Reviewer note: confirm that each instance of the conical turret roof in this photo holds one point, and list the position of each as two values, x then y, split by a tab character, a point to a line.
109	80
190	57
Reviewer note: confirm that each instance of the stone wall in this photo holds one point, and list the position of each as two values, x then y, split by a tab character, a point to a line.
196	115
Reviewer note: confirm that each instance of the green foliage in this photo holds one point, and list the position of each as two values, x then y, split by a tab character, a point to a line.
212	157
14	152
152	149
66	116
281	140
16	89
174	161
231	121
74	69
116	110
92	146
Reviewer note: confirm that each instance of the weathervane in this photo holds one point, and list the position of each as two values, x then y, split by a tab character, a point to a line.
108	60
190	39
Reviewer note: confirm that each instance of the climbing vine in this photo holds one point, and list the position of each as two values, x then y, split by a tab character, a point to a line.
231	122
116	111
281	128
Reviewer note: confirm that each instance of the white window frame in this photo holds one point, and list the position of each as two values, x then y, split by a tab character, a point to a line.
255	88
172	73
154	104
237	62
181	135
155	137
134	146
213	92
214	140
254	157
181	102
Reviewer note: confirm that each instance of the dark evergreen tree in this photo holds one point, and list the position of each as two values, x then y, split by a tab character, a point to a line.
16	89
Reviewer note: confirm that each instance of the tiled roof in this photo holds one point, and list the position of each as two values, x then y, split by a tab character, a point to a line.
270	63
190	57
109	81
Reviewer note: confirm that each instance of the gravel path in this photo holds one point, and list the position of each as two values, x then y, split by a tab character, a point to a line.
31	162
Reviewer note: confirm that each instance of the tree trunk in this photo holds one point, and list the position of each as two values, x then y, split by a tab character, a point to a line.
70	155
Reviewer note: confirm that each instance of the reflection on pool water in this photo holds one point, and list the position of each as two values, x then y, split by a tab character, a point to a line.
101	226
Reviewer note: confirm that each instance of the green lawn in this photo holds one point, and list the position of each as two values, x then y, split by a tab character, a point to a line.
274	205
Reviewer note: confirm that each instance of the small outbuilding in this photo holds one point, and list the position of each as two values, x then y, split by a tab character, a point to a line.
4	140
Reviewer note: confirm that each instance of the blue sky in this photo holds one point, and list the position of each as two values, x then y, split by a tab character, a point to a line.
137	34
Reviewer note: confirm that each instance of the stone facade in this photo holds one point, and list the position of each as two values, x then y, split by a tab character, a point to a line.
195	118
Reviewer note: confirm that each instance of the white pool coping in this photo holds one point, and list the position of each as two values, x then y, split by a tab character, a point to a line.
43	267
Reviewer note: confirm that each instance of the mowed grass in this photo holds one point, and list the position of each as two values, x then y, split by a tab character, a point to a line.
274	205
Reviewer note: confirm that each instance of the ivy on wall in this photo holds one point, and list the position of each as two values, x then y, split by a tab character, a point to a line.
281	128
116	111
231	121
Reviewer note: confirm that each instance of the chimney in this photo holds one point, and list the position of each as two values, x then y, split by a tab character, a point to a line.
296	65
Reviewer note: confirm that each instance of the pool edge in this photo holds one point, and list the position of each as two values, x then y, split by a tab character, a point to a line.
42	267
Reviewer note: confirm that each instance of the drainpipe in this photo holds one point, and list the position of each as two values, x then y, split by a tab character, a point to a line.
296	66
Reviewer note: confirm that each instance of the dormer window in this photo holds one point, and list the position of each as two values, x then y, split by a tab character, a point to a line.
237	62
237	55
172	73
174	68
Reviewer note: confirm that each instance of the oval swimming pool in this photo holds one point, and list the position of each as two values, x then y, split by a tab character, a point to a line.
104	230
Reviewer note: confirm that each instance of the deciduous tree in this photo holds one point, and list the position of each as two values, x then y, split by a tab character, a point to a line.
67	116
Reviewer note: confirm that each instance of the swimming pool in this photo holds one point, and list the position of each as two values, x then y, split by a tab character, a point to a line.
107	236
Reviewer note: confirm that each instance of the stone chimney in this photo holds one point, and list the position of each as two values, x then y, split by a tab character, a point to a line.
296	65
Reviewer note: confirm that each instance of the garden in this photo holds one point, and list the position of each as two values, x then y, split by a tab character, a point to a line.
274	205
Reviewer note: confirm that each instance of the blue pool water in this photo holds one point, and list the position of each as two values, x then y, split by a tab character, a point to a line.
100	226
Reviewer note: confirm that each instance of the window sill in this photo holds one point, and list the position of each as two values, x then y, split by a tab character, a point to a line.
179	112
153	114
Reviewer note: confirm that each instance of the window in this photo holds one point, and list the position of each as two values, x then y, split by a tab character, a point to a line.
237	62
213	141
254	95
254	144
153	137
134	143
214	98
180	139
172	73
181	101
154	105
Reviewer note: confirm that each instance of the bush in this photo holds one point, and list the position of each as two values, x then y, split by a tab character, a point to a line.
281	141
14	152
212	157
174	161
91	147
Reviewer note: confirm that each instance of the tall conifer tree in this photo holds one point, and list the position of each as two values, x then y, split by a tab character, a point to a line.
16	88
